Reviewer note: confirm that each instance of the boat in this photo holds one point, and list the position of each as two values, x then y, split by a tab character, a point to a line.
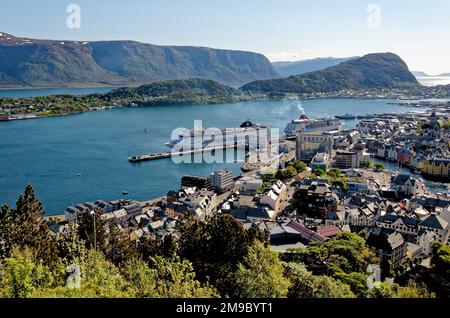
368	116
197	136
346	116
307	125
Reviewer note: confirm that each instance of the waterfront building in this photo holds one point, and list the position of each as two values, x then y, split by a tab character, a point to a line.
222	180
310	144
405	156
436	168
198	182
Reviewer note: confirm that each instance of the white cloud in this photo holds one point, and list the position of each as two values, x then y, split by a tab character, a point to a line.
289	57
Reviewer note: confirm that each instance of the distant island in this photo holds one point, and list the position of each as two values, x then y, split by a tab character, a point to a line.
28	62
187	92
382	75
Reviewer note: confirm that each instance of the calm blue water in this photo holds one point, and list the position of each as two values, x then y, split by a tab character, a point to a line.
50	152
30	92
435	187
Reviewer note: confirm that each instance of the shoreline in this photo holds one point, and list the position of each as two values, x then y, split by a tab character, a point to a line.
9	118
413	170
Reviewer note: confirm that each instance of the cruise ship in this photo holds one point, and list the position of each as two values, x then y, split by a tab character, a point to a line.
311	125
197	136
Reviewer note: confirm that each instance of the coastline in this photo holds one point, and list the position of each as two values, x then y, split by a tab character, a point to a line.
8	118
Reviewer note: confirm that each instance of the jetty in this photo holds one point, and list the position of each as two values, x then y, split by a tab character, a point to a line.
165	155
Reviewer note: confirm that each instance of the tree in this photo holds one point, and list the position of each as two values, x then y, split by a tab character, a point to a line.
305	285
347	252
300	166
288	173
291	172
412	290
260	275
340	183
26	227
166	278
335	173
379	167
70	247
356	281
320	173
440	259
215	247
86	230
24	274
99	279
120	248
369	164
6	230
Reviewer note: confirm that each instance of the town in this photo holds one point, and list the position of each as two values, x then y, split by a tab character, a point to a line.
324	183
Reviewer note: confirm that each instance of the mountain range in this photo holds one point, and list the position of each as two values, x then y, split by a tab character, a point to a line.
423	74
372	71
46	63
306	66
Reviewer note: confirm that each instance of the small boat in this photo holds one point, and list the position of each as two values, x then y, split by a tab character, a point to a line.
368	116
346	117
125	192
79	174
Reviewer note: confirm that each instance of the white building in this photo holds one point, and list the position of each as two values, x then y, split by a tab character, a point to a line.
248	184
222	180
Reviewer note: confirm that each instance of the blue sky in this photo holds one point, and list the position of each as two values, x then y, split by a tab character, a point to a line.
296	29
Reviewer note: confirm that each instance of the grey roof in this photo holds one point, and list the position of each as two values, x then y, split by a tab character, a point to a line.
402	179
384	239
435	222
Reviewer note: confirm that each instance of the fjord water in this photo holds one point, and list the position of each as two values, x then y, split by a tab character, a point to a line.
84	157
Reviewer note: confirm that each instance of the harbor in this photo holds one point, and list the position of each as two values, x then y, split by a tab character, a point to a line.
169	154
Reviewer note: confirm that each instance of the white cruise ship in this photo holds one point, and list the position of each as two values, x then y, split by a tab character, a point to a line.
311	125
197	136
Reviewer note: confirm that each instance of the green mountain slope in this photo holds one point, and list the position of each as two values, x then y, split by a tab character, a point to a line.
191	91
380	70
30	62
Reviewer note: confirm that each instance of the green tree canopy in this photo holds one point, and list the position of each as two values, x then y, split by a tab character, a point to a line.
260	275
25	226
305	285
300	166
166	278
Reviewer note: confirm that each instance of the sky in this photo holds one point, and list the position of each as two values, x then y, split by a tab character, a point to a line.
416	30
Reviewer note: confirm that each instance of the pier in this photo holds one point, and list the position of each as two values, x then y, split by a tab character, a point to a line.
165	155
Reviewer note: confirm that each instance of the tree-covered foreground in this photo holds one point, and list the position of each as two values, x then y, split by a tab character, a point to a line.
217	258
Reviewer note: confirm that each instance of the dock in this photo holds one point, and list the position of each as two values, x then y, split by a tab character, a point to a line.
166	155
